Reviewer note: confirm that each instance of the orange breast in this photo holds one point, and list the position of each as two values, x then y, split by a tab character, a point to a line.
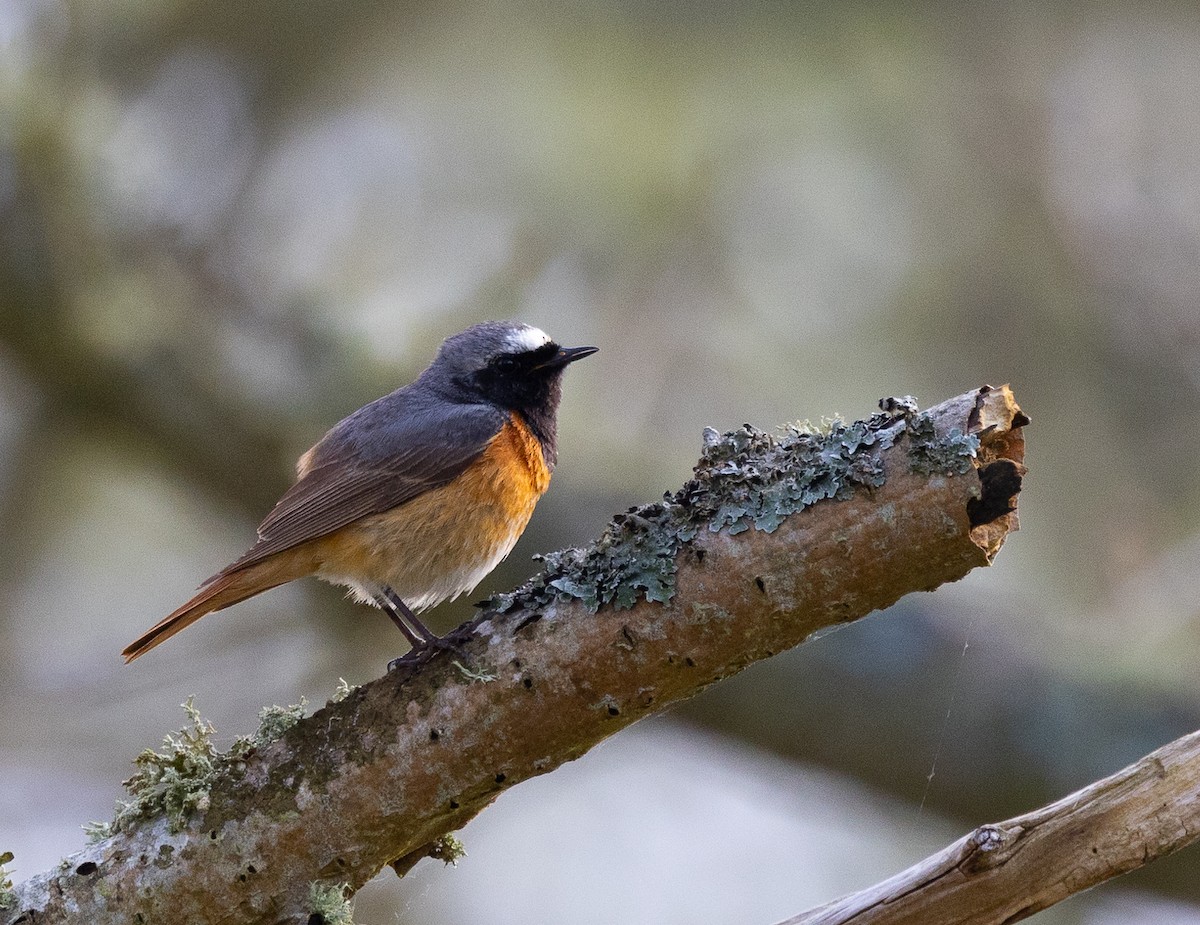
445	541
517	449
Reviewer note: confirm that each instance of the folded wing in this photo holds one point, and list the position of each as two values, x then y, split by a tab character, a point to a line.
375	460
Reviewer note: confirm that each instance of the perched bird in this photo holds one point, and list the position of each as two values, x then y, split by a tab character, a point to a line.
414	498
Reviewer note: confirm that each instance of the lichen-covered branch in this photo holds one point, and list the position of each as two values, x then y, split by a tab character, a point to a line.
774	537
1008	871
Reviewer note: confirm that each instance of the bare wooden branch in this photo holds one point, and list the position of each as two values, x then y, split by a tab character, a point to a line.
1008	871
379	777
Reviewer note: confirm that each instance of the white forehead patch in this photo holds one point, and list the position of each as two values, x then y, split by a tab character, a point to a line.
527	338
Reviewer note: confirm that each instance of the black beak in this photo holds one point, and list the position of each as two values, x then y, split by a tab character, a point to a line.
567	355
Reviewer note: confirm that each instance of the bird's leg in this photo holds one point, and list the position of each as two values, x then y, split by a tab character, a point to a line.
402	609
386	605
419	636
403	617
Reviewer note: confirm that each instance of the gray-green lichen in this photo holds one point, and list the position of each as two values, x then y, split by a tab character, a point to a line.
448	849
8	898
96	831
745	479
328	905
475	675
929	454
175	782
273	722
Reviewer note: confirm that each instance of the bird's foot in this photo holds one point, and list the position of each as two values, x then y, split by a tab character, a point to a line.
427	649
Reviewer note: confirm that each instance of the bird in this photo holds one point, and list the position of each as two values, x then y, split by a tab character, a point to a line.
412	499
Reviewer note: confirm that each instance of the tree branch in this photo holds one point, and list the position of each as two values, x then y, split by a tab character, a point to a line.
1008	871
772	539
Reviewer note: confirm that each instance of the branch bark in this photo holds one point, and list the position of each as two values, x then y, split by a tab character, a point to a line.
742	563
1008	871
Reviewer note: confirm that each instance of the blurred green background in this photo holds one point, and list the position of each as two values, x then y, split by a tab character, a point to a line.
225	225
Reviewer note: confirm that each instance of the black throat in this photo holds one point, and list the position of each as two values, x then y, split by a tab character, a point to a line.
533	393
542	418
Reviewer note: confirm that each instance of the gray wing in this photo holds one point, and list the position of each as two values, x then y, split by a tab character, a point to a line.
383	455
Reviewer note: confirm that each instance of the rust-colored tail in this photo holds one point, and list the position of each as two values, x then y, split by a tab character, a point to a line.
224	589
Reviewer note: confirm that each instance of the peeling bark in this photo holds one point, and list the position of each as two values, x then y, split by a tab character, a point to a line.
380	776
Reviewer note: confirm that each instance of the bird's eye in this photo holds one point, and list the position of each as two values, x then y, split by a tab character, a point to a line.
504	363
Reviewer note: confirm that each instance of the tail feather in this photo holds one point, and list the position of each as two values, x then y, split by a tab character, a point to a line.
222	591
